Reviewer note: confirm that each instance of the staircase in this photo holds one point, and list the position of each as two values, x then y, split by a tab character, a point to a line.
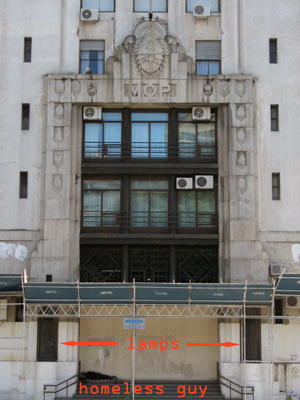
170	391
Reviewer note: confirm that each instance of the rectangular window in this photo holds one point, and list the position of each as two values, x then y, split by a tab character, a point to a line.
149	203
101	203
276	186
157	6
103	139
23	187
208	57
25	116
196	208
273	51
101	5
196	139
274	118
92	56
47	339
278	310
149	135
214	5
27	49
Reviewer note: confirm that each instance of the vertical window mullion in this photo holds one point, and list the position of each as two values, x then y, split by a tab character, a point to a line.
149	208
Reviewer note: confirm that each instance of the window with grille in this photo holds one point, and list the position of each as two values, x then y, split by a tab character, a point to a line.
101	5
92	56
208	57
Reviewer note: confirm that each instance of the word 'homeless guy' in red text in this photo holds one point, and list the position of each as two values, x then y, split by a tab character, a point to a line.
182	390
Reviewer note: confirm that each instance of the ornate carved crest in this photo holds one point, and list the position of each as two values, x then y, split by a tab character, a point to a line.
76	87
150	48
59	111
58	158
58	135
240	88
57	183
224	88
241	112
92	90
59	87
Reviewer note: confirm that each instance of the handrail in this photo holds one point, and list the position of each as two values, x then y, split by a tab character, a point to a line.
240	389
56	390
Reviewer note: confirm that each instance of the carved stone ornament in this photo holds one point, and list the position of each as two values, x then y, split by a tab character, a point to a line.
150	48
240	88
59	87
241	136
224	88
57	183
208	89
242	184
241	159
75	87
58	158
59	111
58	135
92	90
241	112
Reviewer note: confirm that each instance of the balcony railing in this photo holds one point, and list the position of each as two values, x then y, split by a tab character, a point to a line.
154	220
154	151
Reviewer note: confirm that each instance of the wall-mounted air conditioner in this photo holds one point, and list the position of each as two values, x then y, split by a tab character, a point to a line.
276	269
201	113
292	302
184	183
201	11
204	182
89	14
92	113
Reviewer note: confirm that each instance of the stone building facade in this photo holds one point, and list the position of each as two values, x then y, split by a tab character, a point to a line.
102	128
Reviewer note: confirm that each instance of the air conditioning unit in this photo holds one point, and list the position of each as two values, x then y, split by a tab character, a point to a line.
292	302
89	14
276	269
204	182
92	113
201	11
184	183
3	310
201	113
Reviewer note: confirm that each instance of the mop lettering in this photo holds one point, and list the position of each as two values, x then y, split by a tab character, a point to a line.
182	390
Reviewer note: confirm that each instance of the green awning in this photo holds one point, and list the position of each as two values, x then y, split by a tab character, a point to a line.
216	293
51	293
11	283
100	293
162	293
289	285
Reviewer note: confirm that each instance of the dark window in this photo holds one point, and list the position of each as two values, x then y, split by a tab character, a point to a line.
101	203
273	51
196	209
149	135
196	139
48	278
149	203
102	139
214	4
150	6
92	56
27	49
208	57
253	336
149	264
23	190
278	310
276	186
274	118
25	116
47	339
101	5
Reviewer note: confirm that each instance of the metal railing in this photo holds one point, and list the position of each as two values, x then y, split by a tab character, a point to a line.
54	389
243	391
153	150
150	219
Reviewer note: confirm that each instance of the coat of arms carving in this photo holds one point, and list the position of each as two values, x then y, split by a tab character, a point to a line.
150	48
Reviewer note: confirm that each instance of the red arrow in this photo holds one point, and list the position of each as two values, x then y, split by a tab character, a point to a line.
72	343
227	344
